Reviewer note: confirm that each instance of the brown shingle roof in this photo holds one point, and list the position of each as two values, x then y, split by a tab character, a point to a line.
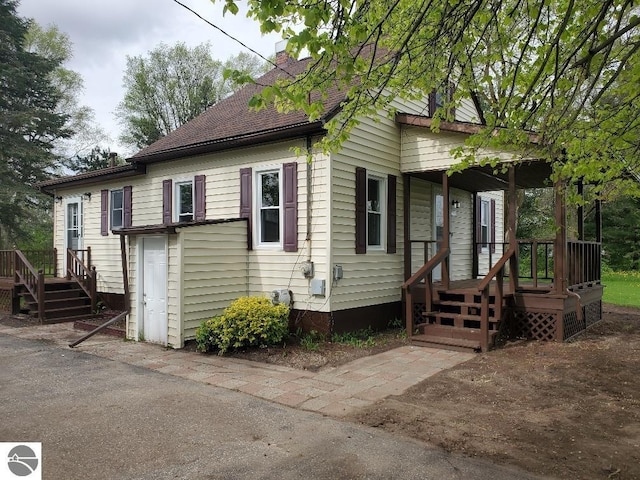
230	123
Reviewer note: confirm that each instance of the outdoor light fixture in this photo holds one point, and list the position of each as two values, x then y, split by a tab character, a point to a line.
58	199
455	204
86	195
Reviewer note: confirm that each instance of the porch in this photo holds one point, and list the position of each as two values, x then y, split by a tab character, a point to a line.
29	282
544	289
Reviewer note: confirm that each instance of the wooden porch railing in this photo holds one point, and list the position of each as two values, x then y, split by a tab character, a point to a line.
81	273
45	260
424	273
497	272
25	274
584	263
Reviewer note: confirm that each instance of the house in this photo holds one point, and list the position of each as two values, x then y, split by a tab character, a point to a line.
222	207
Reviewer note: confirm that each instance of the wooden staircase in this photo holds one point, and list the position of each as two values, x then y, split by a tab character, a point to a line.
455	319
64	301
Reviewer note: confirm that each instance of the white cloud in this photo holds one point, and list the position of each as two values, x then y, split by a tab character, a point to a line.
105	32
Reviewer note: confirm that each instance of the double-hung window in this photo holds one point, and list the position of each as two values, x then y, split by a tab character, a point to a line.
376	201
485	226
184	201
269	211
117	209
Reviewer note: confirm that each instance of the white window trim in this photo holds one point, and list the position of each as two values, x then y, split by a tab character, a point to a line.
256	207
111	192
485	202
176	198
383	213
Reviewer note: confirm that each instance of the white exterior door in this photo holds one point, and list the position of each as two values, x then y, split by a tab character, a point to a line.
154	290
73	227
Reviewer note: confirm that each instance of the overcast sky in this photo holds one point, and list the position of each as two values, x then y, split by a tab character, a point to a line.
104	32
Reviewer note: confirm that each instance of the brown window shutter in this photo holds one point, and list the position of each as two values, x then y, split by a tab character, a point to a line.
493	226
201	198
290	204
361	210
167	197
104	212
391	214
126	206
479	223
245	201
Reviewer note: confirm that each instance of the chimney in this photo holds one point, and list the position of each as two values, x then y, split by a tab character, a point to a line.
112	159
282	57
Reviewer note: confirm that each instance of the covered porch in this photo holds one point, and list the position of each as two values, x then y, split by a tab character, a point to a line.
545	289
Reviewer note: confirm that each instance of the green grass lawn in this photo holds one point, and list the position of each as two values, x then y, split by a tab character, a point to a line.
622	288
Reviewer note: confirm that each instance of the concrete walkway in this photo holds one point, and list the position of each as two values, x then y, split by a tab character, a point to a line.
334	391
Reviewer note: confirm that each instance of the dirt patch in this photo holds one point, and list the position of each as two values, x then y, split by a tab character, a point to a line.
293	353
567	410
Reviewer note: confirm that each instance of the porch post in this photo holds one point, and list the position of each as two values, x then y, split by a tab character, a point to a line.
474	236
513	241
581	212
599	221
445	228
406	202
560	245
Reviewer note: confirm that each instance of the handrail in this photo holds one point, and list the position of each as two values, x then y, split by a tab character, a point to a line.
84	276
425	271
498	272
427	268
33	281
496	268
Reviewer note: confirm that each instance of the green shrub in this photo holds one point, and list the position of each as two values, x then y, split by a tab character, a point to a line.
248	321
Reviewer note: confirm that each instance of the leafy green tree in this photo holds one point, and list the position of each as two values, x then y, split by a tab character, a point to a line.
51	43
30	124
565	69
172	85
620	233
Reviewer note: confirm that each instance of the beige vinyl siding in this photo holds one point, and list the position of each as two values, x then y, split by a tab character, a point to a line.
466	111
133	321
174	336
375	277
424	150
214	271
461	227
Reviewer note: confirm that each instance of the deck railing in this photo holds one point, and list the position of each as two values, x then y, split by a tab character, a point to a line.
584	263
82	273
45	260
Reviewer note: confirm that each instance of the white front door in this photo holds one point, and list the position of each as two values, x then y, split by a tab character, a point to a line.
73	226
154	289
438	228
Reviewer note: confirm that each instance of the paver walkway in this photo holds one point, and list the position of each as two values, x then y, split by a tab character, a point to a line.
334	391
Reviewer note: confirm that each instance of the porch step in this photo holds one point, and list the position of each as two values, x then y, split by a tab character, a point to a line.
454	338
67	312
446	343
74	318
438	316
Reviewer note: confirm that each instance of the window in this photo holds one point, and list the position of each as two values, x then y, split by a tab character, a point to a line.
485	225
117	209
375	211
268	211
184	201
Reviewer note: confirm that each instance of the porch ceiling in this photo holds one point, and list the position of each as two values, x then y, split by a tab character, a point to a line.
482	179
